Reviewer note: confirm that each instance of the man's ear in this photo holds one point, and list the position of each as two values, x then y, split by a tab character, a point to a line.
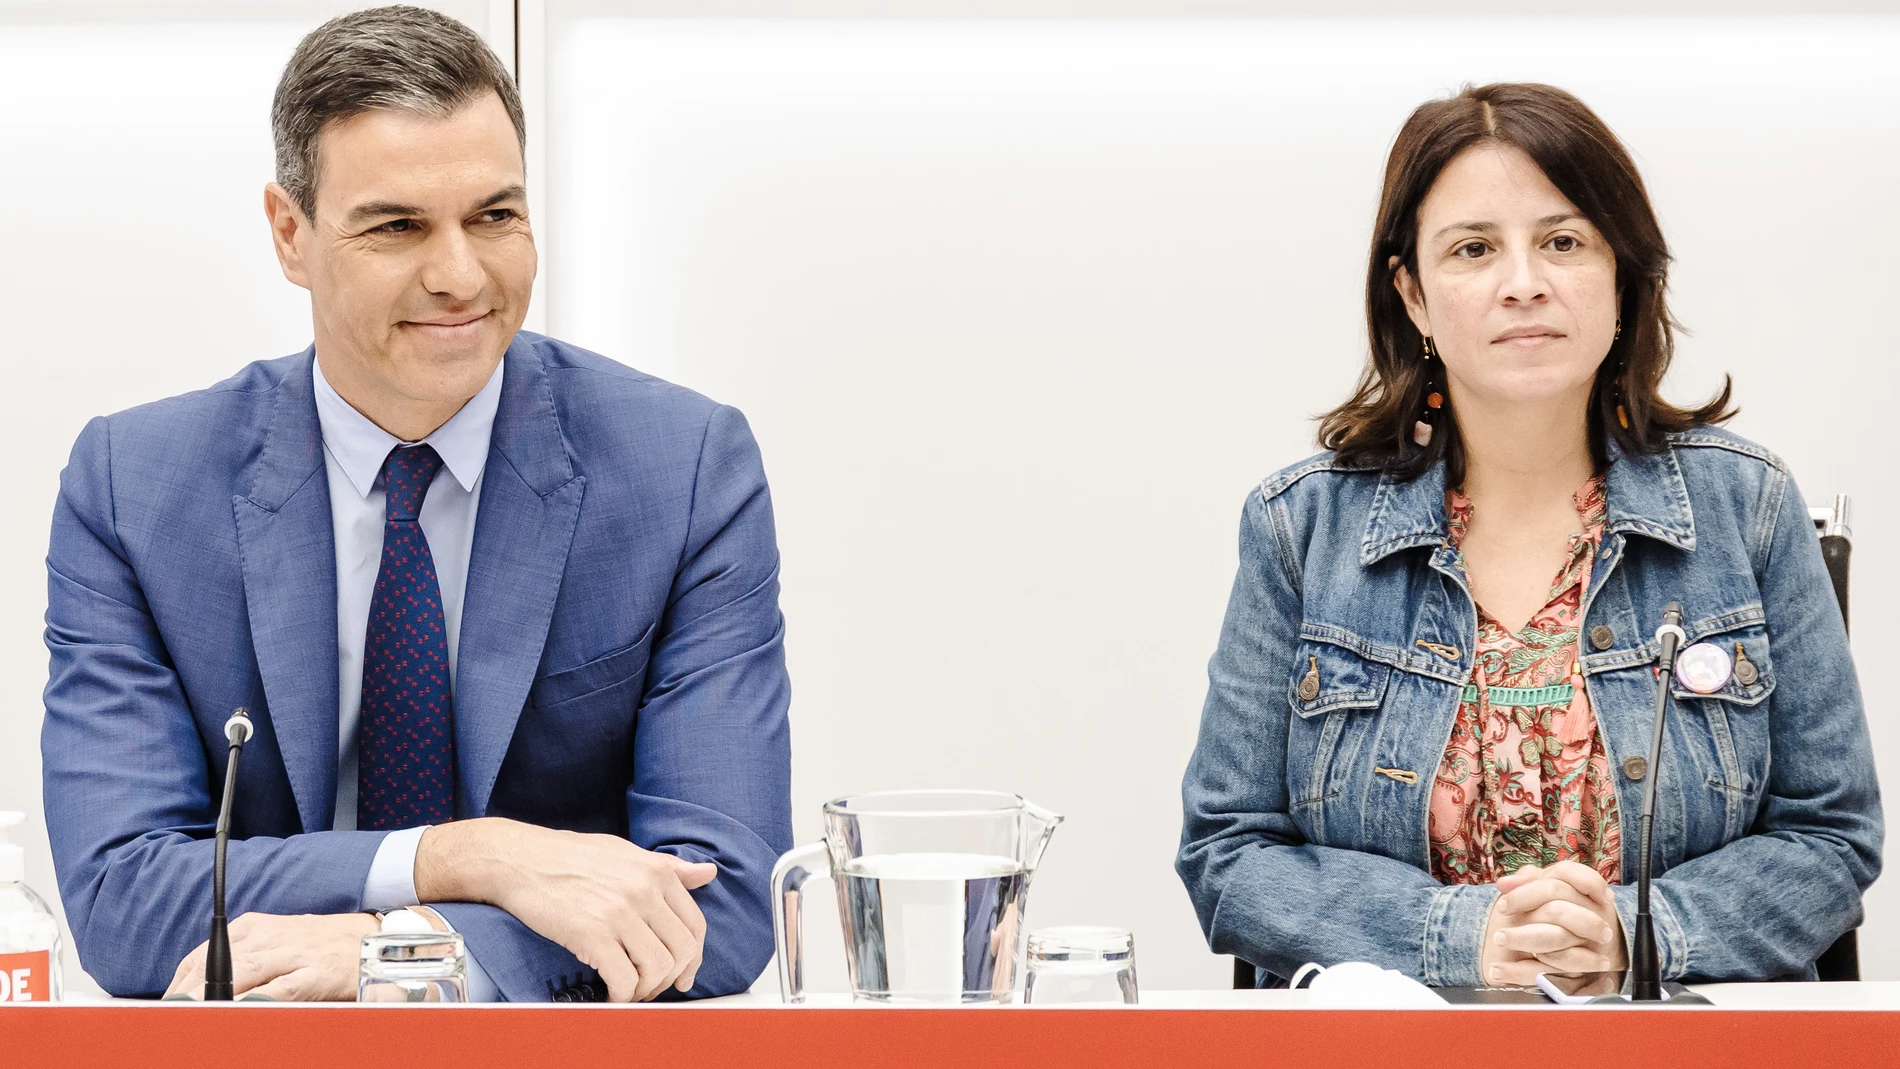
1412	295
287	225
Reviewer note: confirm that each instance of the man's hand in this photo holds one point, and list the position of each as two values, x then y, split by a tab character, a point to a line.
1559	919
623	911
290	959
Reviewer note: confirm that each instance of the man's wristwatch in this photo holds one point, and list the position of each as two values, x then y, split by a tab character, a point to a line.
410	919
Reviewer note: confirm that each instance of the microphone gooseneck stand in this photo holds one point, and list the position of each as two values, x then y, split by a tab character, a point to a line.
218	950
1645	964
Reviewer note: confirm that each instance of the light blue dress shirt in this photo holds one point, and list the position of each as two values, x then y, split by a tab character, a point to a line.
354	449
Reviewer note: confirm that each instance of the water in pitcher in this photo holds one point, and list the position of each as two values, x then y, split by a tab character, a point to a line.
932	927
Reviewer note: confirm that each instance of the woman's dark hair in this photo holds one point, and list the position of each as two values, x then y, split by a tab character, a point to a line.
1590	167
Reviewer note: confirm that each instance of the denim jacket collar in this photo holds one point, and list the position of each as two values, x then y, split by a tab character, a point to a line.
1646	496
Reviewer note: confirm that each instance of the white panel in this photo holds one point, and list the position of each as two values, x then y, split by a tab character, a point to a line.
137	146
500	32
1021	310
531	74
306	13
1184	9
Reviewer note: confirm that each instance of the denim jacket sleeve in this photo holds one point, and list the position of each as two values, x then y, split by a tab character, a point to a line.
1262	891
1768	903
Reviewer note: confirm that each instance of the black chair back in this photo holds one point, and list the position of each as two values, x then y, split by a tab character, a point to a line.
1842	960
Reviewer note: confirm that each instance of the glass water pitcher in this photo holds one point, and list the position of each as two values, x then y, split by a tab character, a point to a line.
930	889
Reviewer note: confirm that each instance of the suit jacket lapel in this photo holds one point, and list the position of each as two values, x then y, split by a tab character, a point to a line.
288	543
531	501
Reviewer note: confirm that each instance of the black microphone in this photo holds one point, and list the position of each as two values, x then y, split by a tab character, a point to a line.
218	950
1645	964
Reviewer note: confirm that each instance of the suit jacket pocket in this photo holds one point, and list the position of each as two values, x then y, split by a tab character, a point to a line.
611	670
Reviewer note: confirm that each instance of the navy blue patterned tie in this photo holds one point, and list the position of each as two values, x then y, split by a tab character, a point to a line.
406	735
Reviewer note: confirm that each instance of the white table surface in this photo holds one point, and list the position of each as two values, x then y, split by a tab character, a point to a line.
1866	995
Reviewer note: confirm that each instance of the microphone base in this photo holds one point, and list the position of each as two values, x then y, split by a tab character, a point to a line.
1672	995
1645	981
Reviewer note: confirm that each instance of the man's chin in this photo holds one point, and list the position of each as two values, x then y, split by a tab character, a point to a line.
447	371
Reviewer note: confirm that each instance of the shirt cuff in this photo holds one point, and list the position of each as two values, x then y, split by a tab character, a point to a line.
1454	934
391	883
480	987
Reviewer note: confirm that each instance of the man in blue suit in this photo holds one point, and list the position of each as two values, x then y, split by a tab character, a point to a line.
504	612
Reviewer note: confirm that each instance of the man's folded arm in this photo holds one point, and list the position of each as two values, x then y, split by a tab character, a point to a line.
129	805
520	963
712	753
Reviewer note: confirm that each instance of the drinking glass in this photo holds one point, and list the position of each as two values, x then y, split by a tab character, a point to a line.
413	967
1081	964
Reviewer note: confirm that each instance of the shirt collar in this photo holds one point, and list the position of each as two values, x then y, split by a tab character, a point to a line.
1646	492
1648	496
360	446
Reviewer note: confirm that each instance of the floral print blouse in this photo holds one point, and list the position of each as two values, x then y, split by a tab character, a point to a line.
1525	779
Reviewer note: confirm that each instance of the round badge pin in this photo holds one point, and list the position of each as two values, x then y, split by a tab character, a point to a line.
1704	667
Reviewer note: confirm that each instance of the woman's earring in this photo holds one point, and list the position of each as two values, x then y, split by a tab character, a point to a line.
1422	430
1618	336
1622	417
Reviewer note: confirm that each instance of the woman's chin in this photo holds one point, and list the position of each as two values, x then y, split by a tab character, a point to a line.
1539	389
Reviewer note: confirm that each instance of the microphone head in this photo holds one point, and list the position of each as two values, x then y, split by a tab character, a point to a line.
238	728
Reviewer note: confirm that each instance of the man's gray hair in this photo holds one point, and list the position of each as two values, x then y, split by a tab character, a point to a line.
398	58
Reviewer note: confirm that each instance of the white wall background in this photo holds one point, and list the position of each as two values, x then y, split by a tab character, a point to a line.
1019	309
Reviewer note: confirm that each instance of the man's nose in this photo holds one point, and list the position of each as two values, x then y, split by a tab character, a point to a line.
451	268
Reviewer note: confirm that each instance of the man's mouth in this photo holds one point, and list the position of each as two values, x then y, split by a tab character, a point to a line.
448	328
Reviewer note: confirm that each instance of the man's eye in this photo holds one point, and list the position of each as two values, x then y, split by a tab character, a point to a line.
395	226
497	215
1563	243
1470	250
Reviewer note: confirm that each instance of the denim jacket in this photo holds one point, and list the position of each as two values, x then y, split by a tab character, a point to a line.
1768	823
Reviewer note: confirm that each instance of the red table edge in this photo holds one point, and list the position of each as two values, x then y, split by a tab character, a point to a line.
465	1037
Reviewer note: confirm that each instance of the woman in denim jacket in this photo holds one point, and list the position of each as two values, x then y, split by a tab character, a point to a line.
1421	750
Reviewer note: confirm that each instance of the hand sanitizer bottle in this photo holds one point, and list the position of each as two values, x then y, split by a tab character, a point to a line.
29	933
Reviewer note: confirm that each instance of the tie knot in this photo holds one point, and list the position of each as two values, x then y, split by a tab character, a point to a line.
407	473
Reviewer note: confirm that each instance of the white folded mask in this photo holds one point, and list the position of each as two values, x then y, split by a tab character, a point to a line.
1361	985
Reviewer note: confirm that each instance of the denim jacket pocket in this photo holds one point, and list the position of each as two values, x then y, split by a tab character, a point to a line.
1751	675
1738	729
1328	678
1329	683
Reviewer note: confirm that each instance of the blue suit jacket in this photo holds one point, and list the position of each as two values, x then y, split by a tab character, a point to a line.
621	665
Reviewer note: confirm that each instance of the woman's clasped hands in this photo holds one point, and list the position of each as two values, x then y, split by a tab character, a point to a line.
1557	919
